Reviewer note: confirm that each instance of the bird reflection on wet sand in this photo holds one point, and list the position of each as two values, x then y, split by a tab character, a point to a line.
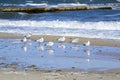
40	47
56	54
24	47
50	51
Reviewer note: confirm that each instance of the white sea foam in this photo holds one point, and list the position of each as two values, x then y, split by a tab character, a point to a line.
115	6
113	15
111	25
107	30
58	5
43	4
29	1
72	4
6	4
118	0
37	4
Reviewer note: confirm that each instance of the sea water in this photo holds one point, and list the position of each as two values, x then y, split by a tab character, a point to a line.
84	23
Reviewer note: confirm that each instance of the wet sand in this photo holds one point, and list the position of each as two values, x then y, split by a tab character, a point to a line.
59	75
94	41
10	72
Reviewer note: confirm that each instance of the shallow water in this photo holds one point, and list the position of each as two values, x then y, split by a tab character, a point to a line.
59	56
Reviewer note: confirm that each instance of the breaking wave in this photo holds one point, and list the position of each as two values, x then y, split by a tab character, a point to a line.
102	25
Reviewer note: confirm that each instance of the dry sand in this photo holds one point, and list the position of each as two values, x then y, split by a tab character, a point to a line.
113	74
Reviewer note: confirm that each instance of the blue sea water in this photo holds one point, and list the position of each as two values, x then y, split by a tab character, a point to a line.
84	23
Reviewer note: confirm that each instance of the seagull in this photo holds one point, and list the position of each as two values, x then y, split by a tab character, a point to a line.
40	40
62	46
61	39
28	35
24	40
50	44
76	40
87	43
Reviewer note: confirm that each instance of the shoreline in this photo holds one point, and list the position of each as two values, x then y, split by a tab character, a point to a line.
47	38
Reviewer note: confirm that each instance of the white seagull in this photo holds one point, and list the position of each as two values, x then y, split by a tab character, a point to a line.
61	39
87	43
76	40
28	35
24	40
62	46
40	40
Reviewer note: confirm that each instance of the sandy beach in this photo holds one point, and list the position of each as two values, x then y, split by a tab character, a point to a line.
60	40
12	71
59	75
94	41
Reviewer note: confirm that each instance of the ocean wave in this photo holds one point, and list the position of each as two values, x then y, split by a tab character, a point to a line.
115	6
113	15
118	0
37	4
44	4
102	25
58	5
